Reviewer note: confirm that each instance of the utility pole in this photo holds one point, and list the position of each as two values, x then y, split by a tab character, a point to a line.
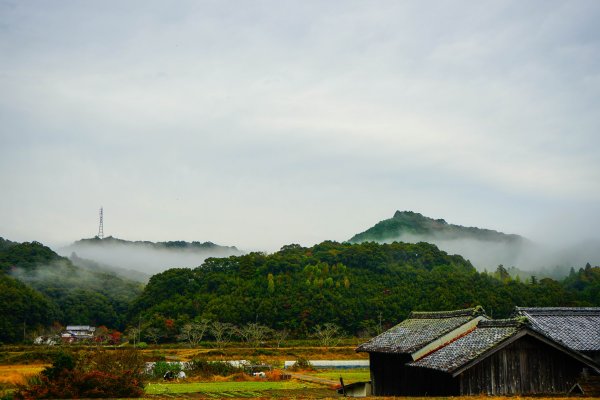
101	227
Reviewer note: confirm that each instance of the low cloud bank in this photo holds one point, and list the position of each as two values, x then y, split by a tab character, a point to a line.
144	257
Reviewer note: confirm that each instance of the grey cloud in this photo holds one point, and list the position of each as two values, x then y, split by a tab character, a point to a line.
262	123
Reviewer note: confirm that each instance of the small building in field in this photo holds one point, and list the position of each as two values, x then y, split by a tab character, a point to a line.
575	327
77	333
465	353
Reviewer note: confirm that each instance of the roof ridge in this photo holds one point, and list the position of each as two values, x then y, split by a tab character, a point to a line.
473	311
558	310
500	323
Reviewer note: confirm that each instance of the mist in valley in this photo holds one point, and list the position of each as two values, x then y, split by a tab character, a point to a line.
124	257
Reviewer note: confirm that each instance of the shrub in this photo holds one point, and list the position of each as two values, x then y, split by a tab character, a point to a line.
98	374
207	369
302	364
161	368
72	384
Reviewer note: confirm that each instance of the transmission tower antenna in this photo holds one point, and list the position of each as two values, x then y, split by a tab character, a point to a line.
101	227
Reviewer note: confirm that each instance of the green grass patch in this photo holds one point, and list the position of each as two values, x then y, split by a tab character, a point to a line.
213	387
349	375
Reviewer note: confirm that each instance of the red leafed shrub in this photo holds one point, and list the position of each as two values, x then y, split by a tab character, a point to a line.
96	384
91	385
97	375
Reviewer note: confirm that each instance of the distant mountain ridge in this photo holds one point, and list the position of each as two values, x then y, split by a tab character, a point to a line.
415	224
177	244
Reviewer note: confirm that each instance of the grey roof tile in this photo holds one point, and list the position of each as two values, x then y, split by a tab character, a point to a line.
576	328
420	329
468	347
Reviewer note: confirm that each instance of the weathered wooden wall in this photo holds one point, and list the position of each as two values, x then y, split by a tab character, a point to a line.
594	355
526	366
387	372
390	376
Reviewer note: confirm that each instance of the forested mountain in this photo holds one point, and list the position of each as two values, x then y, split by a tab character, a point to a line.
144	256
59	291
352	285
409	223
485	248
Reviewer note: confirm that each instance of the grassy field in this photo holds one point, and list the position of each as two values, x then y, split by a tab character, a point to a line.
15	374
349	375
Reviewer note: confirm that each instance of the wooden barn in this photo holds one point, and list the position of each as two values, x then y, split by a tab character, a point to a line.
422	332
575	327
464	353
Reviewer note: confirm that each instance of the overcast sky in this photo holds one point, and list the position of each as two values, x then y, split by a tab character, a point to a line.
264	123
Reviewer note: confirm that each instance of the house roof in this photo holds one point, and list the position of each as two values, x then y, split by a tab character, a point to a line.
418	330
577	328
489	337
80	328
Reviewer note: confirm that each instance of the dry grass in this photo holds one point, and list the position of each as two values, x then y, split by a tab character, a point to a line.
16	374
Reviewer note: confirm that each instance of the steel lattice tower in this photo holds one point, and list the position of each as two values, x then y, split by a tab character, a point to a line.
101	227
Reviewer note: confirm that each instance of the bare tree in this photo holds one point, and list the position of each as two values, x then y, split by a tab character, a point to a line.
328	334
253	333
194	332
134	333
280	336
221	331
153	334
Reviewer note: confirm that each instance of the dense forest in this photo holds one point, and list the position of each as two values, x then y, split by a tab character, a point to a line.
362	288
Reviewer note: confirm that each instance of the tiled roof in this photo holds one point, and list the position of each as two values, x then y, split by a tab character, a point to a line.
470	346
420	329
576	328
